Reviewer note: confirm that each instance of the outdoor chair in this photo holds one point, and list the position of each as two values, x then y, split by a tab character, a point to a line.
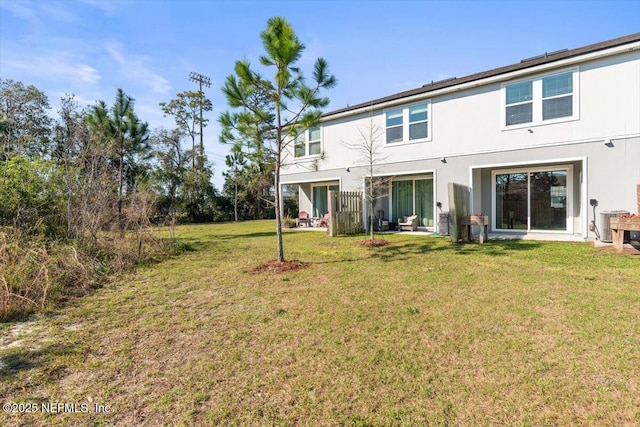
324	222
303	218
408	223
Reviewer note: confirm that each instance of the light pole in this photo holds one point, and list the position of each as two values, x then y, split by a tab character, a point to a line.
202	80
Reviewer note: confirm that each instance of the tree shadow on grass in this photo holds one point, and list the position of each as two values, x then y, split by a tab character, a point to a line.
211	241
401	249
339	260
20	359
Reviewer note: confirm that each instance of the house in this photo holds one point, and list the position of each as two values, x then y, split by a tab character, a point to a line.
537	142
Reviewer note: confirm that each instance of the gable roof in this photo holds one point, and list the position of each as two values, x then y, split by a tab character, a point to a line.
524	64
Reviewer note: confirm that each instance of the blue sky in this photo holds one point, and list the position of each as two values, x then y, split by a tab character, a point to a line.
374	48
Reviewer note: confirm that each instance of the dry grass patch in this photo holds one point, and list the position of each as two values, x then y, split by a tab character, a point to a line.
420	332
374	242
277	267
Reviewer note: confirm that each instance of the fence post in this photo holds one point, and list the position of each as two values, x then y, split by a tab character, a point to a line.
458	208
332	213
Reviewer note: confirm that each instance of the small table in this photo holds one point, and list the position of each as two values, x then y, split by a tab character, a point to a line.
618	227
479	220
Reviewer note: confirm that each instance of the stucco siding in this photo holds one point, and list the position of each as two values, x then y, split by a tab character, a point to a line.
598	146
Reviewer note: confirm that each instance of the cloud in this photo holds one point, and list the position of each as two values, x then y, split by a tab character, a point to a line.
108	7
114	52
135	68
58	65
22	9
87	73
38	14
57	11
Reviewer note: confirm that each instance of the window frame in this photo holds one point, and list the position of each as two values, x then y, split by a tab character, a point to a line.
406	123
528	170
299	143
314	142
303	141
413	179
537	100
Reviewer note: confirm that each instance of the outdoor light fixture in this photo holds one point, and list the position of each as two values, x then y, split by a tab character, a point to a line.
347	169
443	159
608	143
530	130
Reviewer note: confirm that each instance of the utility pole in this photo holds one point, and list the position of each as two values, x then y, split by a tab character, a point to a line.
202	80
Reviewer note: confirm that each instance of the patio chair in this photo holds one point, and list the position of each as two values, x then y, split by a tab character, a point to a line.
303	218
324	222
408	223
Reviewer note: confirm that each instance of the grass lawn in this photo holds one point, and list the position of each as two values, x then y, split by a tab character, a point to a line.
420	332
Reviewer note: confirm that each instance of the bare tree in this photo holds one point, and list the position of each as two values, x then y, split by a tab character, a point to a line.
369	148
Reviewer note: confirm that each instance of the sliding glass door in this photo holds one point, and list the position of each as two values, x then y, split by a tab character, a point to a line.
402	196
424	201
320	199
532	200
548	193
413	197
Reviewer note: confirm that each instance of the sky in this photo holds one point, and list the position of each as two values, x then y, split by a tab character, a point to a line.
375	48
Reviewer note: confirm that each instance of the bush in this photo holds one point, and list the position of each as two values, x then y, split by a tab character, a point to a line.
31	192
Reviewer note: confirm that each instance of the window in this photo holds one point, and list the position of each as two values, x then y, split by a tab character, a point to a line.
394	126
408	124
314	140
535	199
545	98
519	103
557	96
413	197
320	199
418	122
310	137
300	149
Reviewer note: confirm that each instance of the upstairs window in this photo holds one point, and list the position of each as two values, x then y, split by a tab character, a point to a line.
557	96
394	126
418	122
299	145
409	124
314	140
310	137
543	99
519	103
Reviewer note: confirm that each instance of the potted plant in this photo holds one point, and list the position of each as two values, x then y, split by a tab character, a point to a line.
289	222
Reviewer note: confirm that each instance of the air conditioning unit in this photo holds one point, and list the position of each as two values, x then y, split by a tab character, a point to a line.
605	226
443	224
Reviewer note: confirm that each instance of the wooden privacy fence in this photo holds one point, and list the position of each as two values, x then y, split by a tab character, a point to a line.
345	210
458	209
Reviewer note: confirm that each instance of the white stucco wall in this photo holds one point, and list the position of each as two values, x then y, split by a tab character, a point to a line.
470	121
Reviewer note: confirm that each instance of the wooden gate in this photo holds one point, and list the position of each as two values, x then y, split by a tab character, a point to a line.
345	210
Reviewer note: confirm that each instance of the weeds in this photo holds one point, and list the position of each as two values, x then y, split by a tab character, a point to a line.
37	274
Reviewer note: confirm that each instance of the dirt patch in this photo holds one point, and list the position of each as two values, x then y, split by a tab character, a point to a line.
278	267
374	242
